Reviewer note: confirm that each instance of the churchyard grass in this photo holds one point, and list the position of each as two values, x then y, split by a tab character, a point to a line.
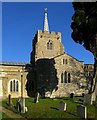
49	108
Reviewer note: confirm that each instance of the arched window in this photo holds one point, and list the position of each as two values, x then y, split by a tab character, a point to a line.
49	45
68	77
17	86
63	61
65	77
14	85
66	61
11	86
62	78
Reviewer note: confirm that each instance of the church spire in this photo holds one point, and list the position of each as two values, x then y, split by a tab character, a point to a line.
46	26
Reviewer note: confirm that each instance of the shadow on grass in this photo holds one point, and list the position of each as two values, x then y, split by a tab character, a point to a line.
71	114
54	108
66	111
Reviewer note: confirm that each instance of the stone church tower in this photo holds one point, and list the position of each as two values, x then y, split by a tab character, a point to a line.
56	72
46	44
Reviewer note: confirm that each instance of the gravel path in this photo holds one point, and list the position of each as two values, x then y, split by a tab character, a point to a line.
11	114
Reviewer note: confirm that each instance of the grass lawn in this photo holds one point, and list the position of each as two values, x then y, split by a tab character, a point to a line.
48	108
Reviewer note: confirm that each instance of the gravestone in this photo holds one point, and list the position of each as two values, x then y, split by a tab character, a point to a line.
9	100
72	95
18	105
62	106
89	99
37	98
82	111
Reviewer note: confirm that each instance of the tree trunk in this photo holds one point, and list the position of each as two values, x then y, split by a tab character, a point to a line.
94	80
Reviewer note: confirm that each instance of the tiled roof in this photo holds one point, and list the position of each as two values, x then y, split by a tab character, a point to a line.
15	63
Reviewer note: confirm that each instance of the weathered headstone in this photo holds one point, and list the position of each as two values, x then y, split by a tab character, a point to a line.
18	105
89	99
36	98
62	106
9	100
82	111
72	95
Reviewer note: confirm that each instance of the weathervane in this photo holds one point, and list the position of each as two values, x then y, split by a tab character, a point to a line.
45	9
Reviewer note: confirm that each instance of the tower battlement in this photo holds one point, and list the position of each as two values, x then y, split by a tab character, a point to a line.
49	33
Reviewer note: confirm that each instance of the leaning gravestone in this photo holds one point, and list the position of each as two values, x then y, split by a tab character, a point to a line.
82	111
62	106
9	100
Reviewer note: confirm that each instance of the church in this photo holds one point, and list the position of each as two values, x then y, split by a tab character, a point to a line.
51	71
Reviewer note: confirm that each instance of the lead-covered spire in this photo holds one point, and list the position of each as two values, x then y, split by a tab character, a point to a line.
46	26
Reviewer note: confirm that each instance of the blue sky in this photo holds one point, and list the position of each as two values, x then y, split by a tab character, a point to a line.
20	22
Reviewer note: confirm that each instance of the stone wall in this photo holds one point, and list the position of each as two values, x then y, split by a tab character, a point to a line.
11	73
75	68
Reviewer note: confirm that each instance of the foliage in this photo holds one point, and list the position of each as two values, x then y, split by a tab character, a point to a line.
84	24
84	27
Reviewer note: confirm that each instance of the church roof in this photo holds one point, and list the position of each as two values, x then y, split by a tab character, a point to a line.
15	63
68	55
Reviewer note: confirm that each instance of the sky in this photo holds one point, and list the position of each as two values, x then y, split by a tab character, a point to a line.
21	20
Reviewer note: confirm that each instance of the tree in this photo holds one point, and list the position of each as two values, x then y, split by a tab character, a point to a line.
84	27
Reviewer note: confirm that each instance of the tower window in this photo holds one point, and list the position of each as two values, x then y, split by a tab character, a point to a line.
49	45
